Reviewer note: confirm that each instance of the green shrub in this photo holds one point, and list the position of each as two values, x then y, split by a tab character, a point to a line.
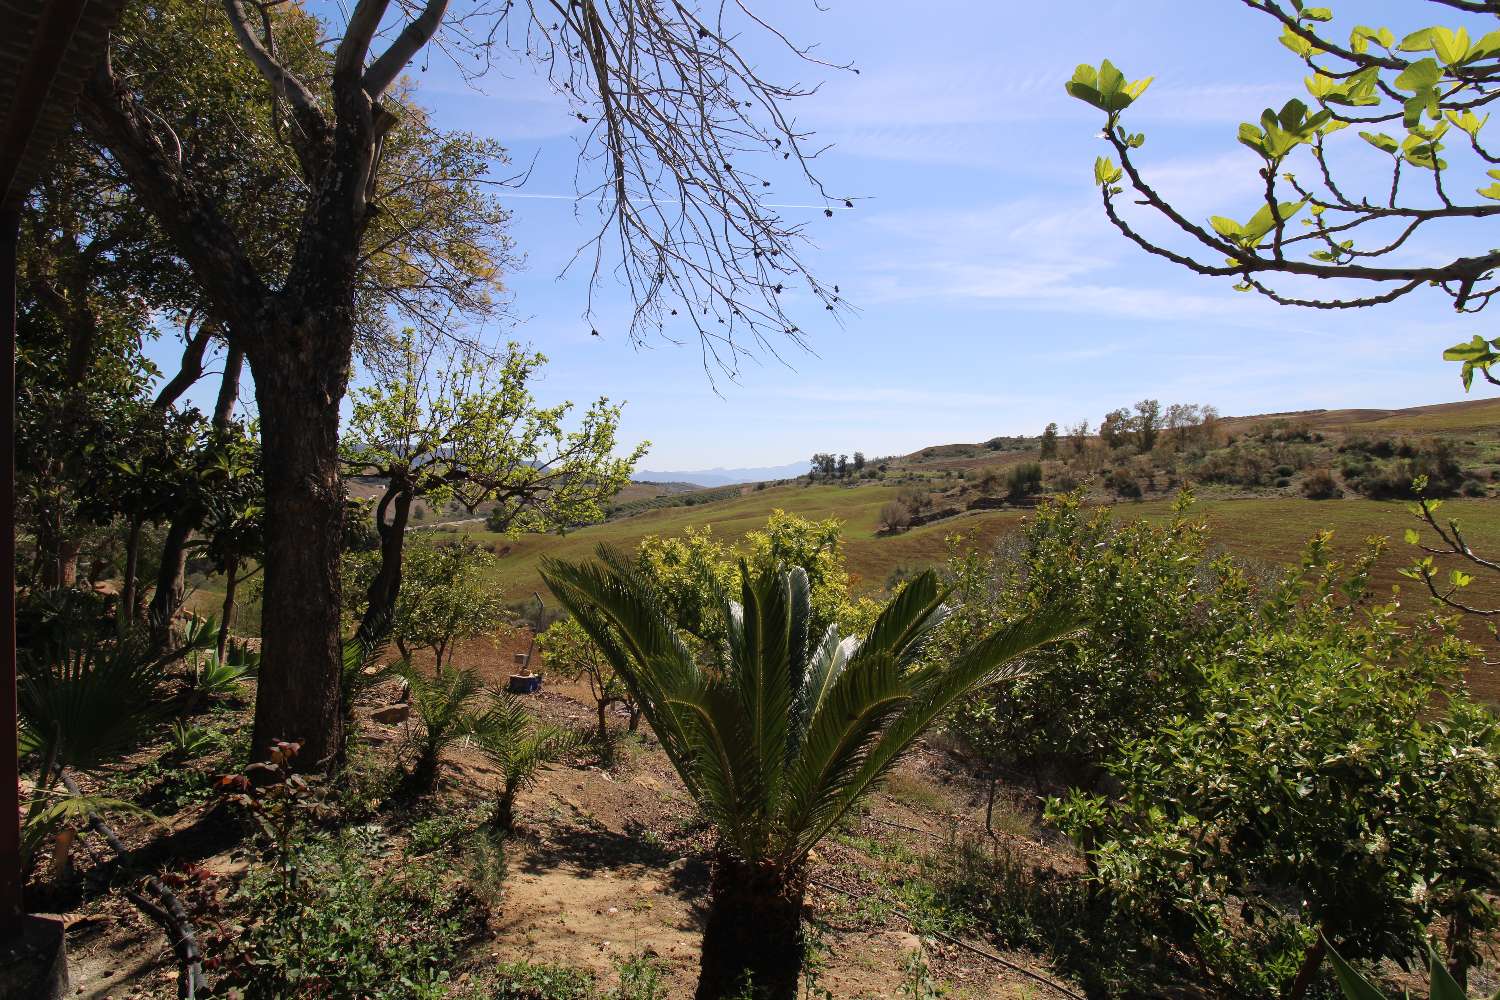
1318	770
346	928
537	981
1157	608
1024	480
1123	484
1320	485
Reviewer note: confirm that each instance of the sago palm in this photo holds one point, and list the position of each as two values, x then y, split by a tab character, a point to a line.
444	711
783	735
520	747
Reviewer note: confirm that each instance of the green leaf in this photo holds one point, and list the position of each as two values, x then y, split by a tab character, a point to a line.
1467	120
1473	350
1381	141
1316	14
1443	986
1105	88
1417	41
1452	47
1105	171
1486	48
1355	986
1298	44
1360	38
1227	227
1459	578
1412	537
1419	76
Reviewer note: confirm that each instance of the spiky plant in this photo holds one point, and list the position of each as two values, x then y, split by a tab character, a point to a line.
444	709
86	701
360	668
520	747
781	736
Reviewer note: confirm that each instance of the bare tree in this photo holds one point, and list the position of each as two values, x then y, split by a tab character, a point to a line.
676	117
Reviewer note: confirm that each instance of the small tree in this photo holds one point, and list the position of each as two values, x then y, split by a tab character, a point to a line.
1048	442
1078	437
446	600
520	747
1115	428
568	651
1024	480
467	431
1147	424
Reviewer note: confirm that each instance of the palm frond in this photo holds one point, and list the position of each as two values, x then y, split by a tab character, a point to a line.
935	689
83	704
780	739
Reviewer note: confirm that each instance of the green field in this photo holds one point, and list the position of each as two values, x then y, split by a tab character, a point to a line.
1269	530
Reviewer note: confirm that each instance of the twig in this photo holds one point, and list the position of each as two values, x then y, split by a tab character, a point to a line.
169	914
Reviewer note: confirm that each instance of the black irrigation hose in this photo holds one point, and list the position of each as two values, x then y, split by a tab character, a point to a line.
169	914
964	945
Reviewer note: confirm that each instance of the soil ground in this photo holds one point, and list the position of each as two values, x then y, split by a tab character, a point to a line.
605	865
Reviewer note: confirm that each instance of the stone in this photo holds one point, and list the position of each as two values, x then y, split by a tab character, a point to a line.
391	715
34	961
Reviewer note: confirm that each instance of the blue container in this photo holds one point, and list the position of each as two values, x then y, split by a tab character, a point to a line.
524	683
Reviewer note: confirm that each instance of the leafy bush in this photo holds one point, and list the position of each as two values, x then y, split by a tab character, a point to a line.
347	927
1024	480
1123	484
1473	488
1240	464
1315	770
1158	609
1320	485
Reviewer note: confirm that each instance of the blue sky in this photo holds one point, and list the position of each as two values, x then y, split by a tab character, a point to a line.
991	294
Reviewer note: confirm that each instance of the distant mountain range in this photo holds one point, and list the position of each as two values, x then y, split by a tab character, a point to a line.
723	477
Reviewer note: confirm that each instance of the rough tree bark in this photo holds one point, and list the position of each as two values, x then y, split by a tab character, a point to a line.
753	934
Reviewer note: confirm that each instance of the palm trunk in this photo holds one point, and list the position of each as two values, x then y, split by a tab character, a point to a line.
231	582
298	697
753	934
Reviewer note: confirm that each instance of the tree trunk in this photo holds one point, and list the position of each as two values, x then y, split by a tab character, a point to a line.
59	553
1312	961
386	587
298	695
231	582
753	933
170	583
125	614
603	707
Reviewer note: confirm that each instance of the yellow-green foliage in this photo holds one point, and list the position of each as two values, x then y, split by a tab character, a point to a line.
695	570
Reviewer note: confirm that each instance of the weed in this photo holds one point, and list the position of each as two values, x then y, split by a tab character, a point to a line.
484	867
917	982
440	832
538	981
